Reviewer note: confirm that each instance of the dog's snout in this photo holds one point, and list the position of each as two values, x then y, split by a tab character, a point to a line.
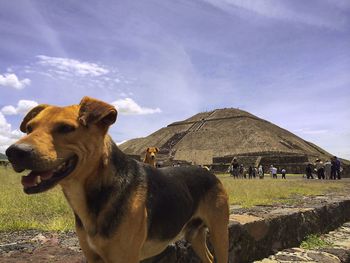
19	152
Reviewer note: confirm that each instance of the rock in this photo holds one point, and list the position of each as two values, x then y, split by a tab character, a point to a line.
40	238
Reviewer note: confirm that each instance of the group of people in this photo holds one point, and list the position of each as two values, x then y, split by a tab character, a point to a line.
254	172
331	169
237	170
274	170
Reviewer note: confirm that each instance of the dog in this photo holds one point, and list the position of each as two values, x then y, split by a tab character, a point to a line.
150	156
125	210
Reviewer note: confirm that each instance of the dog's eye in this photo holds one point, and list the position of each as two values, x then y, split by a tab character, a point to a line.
65	128
29	129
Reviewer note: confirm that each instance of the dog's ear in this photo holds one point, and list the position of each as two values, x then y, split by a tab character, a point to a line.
147	149
157	150
30	115
95	111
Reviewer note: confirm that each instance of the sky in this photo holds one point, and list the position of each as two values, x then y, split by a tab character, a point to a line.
160	61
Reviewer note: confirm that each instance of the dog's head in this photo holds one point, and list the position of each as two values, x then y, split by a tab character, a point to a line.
59	141
151	152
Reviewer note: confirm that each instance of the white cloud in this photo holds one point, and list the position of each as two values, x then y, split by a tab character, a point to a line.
12	81
7	136
128	106
23	106
68	66
4	126
9	110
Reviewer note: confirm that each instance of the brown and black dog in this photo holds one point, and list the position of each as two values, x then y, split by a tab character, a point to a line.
125	211
150	156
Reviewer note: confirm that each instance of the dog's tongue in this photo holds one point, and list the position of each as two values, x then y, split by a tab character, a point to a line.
30	179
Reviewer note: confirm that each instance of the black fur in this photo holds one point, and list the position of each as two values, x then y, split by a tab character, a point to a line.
173	196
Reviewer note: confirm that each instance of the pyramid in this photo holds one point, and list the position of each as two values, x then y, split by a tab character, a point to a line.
215	137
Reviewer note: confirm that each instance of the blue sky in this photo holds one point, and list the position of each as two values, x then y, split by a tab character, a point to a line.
161	61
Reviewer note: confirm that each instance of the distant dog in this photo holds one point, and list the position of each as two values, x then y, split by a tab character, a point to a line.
125	211
150	157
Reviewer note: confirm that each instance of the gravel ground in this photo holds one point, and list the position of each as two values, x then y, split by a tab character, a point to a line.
37	246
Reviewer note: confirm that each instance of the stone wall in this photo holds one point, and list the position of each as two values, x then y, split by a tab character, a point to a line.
253	237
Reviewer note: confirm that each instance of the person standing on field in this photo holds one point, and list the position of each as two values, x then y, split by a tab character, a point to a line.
308	171
283	172
327	169
337	167
320	169
273	171
250	172
234	168
261	172
241	171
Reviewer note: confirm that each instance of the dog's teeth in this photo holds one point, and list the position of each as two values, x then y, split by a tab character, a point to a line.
37	180
61	166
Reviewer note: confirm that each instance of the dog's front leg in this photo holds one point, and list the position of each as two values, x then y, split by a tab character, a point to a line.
91	256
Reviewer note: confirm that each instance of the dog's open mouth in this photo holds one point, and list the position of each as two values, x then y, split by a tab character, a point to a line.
40	181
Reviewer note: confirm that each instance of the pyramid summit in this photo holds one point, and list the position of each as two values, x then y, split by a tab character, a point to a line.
213	137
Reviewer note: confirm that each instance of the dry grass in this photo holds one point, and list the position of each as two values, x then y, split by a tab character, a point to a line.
248	193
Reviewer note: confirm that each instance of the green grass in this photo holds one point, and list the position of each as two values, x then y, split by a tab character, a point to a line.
50	211
315	242
47	211
248	193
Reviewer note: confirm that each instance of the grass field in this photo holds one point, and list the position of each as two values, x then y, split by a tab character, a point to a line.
248	193
49	211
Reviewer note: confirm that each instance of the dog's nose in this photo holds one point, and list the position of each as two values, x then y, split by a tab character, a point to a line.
19	152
